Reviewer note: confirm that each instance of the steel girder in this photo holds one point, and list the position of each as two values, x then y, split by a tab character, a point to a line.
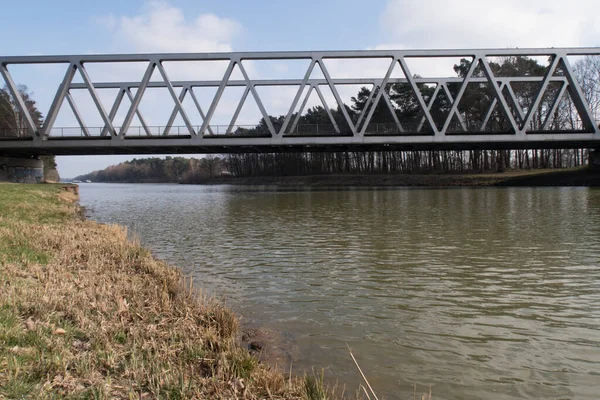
356	133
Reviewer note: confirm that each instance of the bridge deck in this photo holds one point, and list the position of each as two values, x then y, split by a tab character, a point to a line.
188	144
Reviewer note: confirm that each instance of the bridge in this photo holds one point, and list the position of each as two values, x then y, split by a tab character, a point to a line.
439	117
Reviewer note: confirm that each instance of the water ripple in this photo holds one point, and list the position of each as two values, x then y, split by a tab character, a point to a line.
481	293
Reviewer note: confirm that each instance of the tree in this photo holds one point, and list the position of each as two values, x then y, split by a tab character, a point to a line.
587	71
211	164
12	124
50	170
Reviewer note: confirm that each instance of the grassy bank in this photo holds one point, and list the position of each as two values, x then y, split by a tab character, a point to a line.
580	176
86	313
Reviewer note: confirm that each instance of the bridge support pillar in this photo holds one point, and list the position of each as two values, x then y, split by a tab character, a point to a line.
594	160
21	170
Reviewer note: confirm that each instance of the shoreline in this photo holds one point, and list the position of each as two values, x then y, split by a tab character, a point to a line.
581	176
578	176
84	311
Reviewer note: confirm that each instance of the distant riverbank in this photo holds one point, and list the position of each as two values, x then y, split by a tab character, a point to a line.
545	177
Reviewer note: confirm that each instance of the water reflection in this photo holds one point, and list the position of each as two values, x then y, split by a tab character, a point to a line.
482	293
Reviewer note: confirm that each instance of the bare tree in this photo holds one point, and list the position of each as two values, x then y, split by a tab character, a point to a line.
12	122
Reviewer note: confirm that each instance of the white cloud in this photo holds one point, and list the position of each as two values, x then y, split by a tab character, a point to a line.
162	27
486	24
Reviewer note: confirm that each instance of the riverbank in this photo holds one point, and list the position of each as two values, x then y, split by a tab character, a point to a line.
581	176
86	313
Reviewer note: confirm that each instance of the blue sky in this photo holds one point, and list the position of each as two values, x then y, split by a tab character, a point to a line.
67	27
109	26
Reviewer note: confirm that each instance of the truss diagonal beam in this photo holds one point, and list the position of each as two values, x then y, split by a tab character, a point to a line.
259	102
335	125
114	109
419	96
463	87
217	98
237	112
176	100
302	107
63	91
135	103
554	106
139	114
366	107
338	99
75	110
197	104
498	94
382	87
458	115
490	111
388	102
512	96
430	105
95	98
288	117
540	94
175	111
578	97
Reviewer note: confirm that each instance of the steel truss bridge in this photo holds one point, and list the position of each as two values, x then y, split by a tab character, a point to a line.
361	133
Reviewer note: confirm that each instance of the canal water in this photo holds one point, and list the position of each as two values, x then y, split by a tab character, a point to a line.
480	293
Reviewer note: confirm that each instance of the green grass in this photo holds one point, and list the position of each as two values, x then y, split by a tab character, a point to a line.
313	387
32	203
22	252
37	204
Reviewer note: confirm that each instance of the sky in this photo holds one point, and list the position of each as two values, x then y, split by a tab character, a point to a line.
39	27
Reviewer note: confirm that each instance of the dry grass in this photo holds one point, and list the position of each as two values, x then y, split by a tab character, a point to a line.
87	314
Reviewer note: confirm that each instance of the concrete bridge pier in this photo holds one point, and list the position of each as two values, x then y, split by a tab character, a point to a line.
21	170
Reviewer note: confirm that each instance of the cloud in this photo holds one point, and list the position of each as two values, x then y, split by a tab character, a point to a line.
476	24
162	27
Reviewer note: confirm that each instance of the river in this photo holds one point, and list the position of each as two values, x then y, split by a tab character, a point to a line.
478	292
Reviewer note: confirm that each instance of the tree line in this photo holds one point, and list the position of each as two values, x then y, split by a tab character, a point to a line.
159	170
389	162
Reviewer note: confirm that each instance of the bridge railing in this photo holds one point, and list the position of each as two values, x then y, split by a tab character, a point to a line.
12	133
181	130
241	131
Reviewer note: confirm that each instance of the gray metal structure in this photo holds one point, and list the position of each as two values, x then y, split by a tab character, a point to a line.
359	134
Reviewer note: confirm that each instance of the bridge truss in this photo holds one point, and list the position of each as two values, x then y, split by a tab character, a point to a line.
506	123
